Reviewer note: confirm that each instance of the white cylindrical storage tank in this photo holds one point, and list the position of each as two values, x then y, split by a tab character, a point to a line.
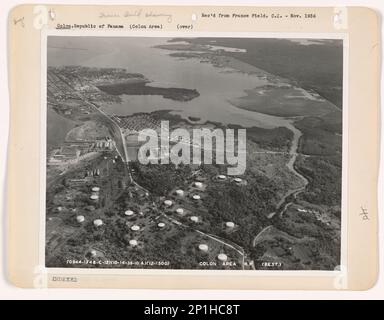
133	243
135	228
203	247
230	224
98	222
95	189
222	257
196	197
238	180
80	219
180	192
168	203
179	210
129	213
221	176
94	197
161	225
198	184
194	219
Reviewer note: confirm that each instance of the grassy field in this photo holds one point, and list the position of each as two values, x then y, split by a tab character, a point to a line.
90	130
283	102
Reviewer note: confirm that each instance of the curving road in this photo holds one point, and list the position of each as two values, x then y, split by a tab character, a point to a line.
291	166
233	246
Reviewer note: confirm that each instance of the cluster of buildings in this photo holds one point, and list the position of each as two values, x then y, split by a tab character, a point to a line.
63	98
57	88
62	80
106	144
318	215
73	152
137	122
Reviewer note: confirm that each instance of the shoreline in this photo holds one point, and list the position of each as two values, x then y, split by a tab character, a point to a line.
227	60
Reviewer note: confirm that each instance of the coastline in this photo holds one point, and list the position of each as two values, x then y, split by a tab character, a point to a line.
229	63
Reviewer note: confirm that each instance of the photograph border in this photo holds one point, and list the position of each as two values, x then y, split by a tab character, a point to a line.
343	272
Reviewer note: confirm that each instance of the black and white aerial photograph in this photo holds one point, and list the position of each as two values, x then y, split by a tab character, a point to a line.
193	153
